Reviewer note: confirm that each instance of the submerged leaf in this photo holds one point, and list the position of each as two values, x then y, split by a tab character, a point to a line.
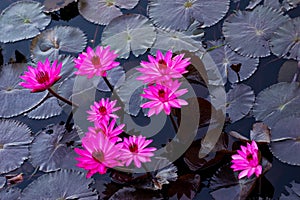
15	99
22	20
54	5
288	71
64	184
224	58
286	40
240	100
257	26
10	194
127	33
59	38
103	11
15	138
51	149
293	192
181	13
277	102
49	108
285	144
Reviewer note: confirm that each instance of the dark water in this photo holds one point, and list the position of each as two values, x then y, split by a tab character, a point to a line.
276	178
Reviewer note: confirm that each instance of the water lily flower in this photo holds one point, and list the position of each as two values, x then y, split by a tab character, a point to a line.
42	77
96	63
162	68
247	160
102	111
108	130
134	149
163	97
99	153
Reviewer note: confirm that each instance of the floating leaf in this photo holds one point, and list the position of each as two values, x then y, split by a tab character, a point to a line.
16	100
181	13
54	5
277	102
286	40
59	38
253	4
22	20
240	100
224	58
175	41
64	184
49	108
128	193
257	26
285	144
114	76
2	182
14	144
273	4
185	187
260	133
103	11
288	71
10	194
293	192
51	149
127	33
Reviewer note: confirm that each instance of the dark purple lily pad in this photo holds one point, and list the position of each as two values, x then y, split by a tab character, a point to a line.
127	33
293	192
224	58
277	102
10	194
15	138
49	108
128	193
103	11
52	148
285	144
15	99
185	187
260	133
22	20
288	71
257	26
240	100
286	40
64	184
181	13
59	38
54	5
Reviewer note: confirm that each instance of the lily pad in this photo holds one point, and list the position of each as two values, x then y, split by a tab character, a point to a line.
2	182
277	102
293	192
175	41
54	5
257	26
114	76
182	13
240	100
128	193
15	99
224	58
51	148
103	11
22	20
10	194
260	133
15	138
286	40
64	184
253	4
285	143
288	71
132	32
185	187
59	38
49	108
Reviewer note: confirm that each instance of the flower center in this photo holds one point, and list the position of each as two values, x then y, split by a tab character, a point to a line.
188	4
133	148
162	64
249	157
98	156
161	93
96	61
42	77
102	110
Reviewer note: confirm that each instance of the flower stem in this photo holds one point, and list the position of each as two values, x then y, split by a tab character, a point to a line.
108	84
173	122
62	98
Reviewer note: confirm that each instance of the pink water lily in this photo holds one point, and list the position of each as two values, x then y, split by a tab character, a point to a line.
42	77
247	161
163	97
96	63
161	69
